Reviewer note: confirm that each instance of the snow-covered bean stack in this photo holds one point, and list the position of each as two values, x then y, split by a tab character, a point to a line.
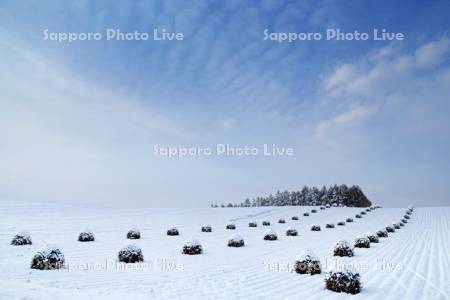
342	248
362	242
307	263
390	228
21	238
133	234
236	241
231	226
329	225
131	254
343	280
192	247
206	228
373	237
291	231
382	233
315	227
173	231
50	258
86	236
270	235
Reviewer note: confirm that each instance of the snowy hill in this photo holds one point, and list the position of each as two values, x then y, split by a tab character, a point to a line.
412	263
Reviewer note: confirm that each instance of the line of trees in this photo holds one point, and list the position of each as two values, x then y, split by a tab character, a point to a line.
336	195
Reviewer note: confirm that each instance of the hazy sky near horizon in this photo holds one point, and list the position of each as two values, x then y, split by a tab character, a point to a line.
79	121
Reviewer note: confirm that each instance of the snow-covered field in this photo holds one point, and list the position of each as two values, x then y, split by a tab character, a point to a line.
412	263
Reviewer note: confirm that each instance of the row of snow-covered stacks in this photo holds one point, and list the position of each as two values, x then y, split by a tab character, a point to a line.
338	280
343	278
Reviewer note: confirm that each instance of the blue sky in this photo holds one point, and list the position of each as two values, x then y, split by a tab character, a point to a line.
79	120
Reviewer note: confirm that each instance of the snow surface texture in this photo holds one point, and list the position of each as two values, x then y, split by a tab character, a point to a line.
412	263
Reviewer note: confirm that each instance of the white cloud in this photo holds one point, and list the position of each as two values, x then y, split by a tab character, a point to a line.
342	76
327	131
432	53
228	124
384	122
380	81
382	72
54	88
69	139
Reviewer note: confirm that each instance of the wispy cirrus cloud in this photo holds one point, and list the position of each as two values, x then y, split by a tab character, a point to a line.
371	84
390	106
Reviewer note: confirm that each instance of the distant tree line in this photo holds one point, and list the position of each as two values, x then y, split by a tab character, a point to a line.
336	195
